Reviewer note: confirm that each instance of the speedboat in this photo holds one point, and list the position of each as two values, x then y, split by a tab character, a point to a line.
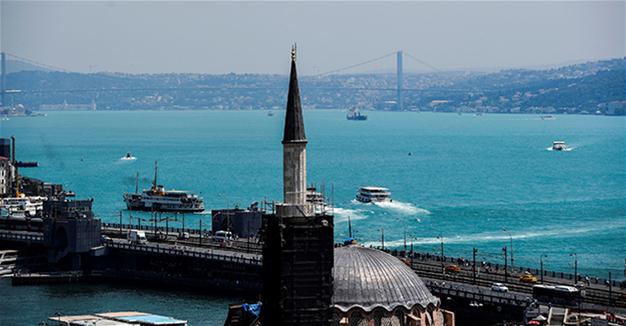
559	145
371	194
128	157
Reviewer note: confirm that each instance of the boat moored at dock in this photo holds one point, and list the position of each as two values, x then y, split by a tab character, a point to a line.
21	207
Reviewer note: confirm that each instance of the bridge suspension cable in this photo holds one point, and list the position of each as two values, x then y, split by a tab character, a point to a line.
36	63
423	62
356	65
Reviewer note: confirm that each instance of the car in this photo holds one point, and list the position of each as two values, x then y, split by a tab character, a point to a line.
453	268
499	287
528	278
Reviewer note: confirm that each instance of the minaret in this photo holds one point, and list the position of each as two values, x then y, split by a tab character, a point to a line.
297	243
294	151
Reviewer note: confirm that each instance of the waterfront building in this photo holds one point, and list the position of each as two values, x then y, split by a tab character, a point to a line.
243	223
5	176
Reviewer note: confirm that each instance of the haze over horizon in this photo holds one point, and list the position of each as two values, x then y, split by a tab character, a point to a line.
254	37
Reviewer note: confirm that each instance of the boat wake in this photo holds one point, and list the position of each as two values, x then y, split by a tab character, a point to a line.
497	236
342	214
569	149
402	208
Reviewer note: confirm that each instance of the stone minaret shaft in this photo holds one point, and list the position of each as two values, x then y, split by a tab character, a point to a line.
294	144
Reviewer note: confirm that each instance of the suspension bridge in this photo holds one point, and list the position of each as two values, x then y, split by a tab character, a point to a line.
399	90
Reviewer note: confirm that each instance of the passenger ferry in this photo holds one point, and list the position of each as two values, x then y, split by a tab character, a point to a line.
373	194
21	207
559	145
158	199
316	199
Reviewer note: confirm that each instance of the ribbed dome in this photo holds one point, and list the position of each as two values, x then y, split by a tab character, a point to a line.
369	278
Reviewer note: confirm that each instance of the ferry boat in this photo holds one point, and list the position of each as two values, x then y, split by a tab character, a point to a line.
373	194
559	145
21	207
354	114
158	199
317	199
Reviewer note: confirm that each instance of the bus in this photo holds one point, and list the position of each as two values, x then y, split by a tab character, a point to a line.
557	294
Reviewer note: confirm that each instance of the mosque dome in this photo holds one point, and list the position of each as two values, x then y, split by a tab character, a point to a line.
370	284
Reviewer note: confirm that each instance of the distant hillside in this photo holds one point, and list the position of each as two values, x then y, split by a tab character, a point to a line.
17	66
592	87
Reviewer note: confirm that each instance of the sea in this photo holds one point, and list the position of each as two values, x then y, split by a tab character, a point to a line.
468	181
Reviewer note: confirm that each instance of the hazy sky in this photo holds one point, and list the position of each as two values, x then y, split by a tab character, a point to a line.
216	37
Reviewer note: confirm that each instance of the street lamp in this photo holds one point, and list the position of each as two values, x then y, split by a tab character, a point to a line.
575	266
443	269
511	247
541	263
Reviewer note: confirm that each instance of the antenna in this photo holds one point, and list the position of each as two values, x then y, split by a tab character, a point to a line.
137	183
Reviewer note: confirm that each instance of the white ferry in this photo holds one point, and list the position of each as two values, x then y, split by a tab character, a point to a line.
317	199
21	207
559	145
373	194
158	199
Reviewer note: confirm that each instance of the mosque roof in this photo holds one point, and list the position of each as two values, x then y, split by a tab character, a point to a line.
368	278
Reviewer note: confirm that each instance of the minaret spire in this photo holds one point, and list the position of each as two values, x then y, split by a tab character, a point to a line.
294	123
294	144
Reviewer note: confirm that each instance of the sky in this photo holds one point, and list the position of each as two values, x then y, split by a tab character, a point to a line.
256	37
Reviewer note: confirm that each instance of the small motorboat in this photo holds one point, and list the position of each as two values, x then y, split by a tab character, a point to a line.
559	145
128	157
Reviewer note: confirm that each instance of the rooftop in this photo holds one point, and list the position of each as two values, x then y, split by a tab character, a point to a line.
368	278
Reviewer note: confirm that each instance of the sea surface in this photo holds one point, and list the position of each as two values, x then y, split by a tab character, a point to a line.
473	181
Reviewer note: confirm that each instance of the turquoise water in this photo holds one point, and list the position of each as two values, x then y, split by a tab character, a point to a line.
466	179
31	305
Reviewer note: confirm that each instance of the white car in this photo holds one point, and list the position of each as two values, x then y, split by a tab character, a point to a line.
499	287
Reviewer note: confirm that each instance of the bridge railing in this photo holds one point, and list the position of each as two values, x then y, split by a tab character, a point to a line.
148	227
491	268
478	294
15	236
209	255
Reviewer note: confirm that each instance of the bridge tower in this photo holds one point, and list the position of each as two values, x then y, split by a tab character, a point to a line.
3	64
399	82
